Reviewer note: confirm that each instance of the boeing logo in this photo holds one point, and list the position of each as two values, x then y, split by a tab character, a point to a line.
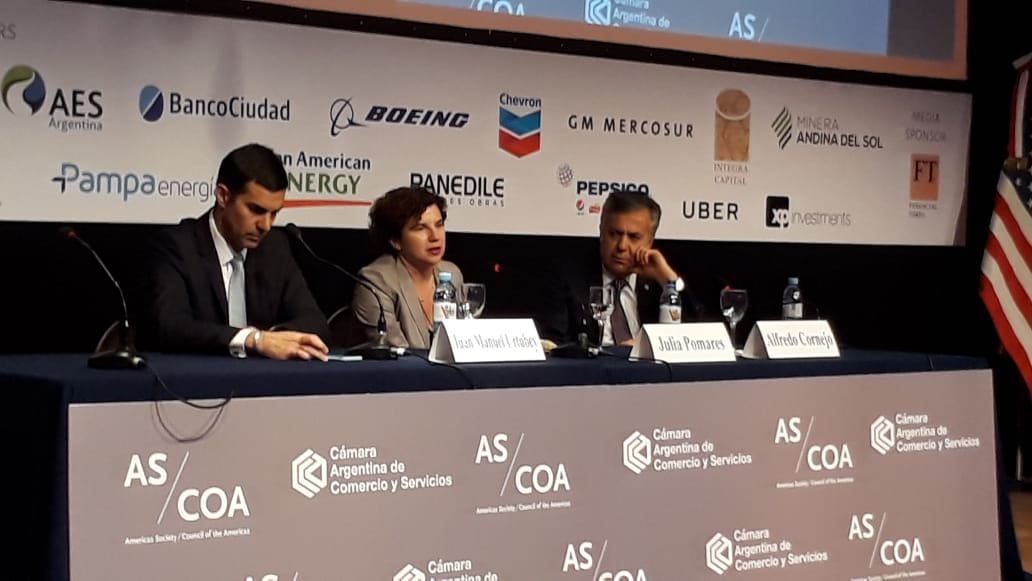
342	116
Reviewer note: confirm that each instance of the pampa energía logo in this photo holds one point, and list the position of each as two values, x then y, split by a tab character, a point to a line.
519	124
23	90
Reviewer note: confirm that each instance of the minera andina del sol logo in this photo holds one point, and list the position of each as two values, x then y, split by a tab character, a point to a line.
883	435
718	554
308	473
637	452
410	573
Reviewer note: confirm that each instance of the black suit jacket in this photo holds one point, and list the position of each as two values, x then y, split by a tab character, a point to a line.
188	310
560	307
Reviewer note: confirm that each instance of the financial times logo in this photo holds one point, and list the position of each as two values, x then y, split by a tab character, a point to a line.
152	103
342	116
883	435
777	215
598	12
782	126
718	554
308	473
637	452
23	84
410	573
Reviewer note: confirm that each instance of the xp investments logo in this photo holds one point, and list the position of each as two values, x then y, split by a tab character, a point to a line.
883	435
23	90
598	12
777	215
782	126
410	573
308	474
718	554
637	452
519	124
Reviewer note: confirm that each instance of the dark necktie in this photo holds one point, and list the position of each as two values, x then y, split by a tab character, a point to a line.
618	320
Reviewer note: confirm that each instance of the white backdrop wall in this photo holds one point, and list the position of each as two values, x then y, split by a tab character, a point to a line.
126	118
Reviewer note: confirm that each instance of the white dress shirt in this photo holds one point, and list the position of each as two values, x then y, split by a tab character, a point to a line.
226	255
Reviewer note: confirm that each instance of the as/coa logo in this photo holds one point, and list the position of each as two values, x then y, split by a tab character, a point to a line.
519	124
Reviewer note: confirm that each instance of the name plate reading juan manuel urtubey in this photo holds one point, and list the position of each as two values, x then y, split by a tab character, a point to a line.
684	343
486	340
791	339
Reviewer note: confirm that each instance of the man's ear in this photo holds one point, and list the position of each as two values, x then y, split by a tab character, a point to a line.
222	195
395	244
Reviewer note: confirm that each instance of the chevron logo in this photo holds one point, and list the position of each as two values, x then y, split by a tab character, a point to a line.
519	135
308	473
598	12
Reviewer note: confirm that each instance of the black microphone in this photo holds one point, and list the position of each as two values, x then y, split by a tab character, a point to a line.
377	349
123	355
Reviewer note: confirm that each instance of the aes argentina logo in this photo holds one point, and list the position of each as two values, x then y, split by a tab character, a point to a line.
70	109
187	496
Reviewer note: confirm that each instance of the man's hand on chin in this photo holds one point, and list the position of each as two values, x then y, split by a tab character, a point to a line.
651	264
291	345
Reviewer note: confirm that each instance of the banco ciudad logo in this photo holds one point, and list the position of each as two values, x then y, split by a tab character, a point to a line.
23	90
152	103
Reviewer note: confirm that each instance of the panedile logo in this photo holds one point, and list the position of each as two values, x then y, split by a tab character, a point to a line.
154	106
308	473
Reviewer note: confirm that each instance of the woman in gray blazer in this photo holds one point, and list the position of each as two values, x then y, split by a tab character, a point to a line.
408	224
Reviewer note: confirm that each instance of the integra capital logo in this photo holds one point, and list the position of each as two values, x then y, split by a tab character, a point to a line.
153	102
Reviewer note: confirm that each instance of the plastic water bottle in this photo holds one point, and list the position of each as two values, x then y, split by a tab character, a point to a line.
445	304
792	300
670	304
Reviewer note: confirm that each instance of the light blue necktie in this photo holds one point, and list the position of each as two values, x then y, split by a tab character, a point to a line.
237	299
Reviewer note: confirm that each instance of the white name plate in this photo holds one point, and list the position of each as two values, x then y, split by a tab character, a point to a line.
486	341
684	343
791	339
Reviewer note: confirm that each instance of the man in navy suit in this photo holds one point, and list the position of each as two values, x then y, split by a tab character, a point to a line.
219	283
628	262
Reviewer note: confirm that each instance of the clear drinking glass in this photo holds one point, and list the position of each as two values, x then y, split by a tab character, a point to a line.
476	299
600	298
733	303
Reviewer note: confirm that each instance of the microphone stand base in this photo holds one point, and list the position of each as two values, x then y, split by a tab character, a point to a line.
579	349
120	358
374	352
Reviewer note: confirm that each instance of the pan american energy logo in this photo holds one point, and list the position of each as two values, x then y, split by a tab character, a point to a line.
899	552
822	459
591	556
748	550
519	124
346	470
70	109
451	569
676	449
533	477
188	506
325	179
915	433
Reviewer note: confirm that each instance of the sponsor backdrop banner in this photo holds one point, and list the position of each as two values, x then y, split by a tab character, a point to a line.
835	478
126	118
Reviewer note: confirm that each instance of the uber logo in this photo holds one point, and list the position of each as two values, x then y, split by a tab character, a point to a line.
777	212
709	210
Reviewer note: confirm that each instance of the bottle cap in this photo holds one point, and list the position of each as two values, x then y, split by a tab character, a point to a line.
793	280
444	277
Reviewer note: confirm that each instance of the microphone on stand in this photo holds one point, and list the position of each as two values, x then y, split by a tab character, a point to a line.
378	348
123	355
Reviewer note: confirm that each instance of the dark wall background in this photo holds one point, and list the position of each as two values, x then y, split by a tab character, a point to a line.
908	298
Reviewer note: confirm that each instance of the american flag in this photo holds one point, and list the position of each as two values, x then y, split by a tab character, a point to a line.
1006	285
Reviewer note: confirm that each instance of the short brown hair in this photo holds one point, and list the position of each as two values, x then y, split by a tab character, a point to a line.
393	210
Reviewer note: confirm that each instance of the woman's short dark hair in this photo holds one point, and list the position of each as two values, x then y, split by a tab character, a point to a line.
392	211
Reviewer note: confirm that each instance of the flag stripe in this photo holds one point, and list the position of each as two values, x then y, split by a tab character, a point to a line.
1015	282
1016	227
1011	344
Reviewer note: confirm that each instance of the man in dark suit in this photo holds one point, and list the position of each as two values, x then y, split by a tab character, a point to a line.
628	262
220	282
